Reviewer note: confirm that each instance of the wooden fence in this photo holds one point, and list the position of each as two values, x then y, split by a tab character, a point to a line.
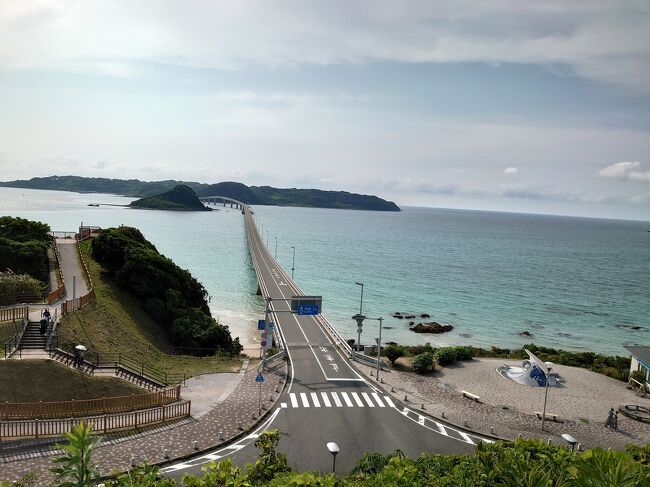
87	407
14	314
36	428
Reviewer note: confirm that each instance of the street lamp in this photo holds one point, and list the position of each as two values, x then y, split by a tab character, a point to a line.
381	322
359	319
546	372
293	261
334	449
361	301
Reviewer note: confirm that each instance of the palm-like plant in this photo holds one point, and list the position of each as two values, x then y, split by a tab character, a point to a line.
76	468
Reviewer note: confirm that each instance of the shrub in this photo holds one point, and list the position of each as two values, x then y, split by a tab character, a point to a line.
418	349
445	355
638	376
393	352
23	247
422	362
464	353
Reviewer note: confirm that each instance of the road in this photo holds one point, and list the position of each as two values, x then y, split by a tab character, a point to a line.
326	399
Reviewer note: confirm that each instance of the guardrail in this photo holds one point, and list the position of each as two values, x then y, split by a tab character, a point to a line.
101	424
15	313
368	360
87	407
59	292
13	343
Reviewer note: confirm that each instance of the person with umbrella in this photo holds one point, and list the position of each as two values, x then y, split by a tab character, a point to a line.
79	352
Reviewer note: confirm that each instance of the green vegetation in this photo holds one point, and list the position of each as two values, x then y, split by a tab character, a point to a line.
169	294
180	197
254	195
422	363
13	287
116	322
520	463
23	247
76	465
41	375
611	366
393	352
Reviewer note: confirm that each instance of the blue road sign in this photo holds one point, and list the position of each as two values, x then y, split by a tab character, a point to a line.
308	309
260	325
259	378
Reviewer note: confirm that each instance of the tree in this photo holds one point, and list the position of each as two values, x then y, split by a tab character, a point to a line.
77	468
393	352
422	363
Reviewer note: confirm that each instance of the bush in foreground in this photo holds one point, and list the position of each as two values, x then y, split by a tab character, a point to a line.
422	363
518	463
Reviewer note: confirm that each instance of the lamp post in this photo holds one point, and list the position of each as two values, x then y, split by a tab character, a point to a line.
293	261
334	449
359	319
361	300
381	322
545	396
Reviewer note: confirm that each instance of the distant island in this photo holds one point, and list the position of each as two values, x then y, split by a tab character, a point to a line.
179	198
253	195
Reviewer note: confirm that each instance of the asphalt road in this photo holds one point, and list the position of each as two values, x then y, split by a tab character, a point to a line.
326	399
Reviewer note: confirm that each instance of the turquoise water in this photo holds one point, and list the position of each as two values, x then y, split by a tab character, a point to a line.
574	283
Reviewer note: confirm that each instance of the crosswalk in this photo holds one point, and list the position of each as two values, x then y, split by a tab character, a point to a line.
337	399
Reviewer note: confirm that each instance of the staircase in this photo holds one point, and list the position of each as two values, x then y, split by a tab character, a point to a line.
68	359
32	338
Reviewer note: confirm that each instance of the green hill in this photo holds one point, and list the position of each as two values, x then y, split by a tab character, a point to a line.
180	197
254	195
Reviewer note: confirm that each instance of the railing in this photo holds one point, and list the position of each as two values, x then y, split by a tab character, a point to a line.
60	291
368	360
11	299
87	407
136	367
69	235
13	343
14	314
101	424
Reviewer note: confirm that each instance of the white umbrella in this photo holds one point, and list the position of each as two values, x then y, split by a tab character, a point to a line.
80	347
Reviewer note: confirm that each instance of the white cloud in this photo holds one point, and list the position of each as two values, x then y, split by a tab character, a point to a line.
510	170
602	40
626	170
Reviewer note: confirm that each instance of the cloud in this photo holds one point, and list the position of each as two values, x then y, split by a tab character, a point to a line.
600	40
510	170
627	171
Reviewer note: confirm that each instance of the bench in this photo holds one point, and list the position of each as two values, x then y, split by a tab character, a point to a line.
469	395
551	416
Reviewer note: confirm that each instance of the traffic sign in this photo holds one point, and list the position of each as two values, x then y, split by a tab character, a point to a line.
261	325
308	309
259	378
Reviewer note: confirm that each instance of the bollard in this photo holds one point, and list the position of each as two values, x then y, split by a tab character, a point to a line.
491	430
166	453
548	441
195	445
133	462
519	436
271	397
392	389
276	389
239	426
442	415
465	423
381	380
406	398
423	406
254	416
220	435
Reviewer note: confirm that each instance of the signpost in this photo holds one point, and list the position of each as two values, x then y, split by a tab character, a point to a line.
259	379
306	305
261	325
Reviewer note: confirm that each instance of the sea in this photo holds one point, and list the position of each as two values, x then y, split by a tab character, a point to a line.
580	284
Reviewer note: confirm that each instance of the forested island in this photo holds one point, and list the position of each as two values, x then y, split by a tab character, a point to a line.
253	195
179	198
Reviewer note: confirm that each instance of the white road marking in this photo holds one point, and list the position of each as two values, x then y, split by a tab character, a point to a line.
211	457
467	438
283	404
378	400
314	399
421	420
294	400
348	403
337	401
389	401
366	398
305	401
441	428
326	400
357	399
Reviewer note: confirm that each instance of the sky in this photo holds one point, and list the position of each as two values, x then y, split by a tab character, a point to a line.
506	105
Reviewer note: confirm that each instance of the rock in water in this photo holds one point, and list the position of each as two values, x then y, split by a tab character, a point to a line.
431	327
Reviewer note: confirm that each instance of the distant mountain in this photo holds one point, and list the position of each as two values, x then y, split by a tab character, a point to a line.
253	195
180	197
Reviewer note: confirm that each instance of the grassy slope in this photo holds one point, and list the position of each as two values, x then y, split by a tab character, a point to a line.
51	381
7	330
116	323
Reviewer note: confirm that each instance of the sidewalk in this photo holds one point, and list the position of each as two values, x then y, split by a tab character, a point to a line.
433	396
115	454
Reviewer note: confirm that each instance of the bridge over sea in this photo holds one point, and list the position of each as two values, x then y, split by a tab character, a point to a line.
326	398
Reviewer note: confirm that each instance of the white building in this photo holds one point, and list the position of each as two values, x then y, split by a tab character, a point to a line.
640	359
